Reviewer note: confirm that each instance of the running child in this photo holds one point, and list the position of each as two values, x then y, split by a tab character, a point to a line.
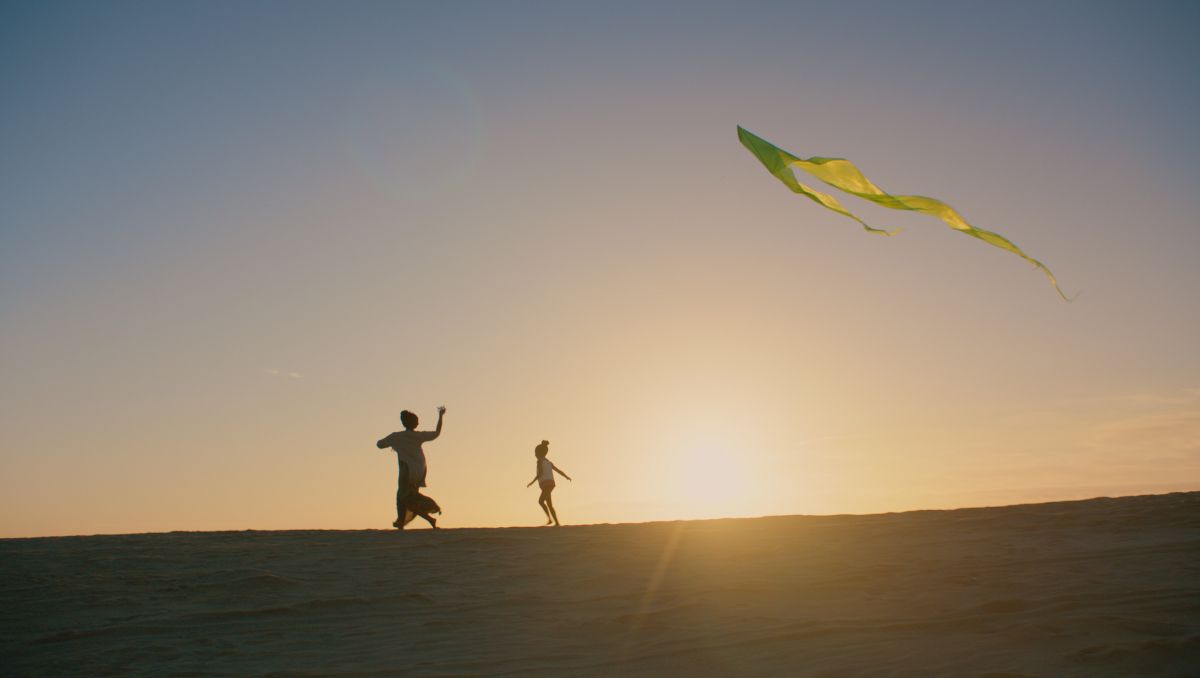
545	480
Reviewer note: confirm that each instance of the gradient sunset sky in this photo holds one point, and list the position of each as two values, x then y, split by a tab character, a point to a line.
236	239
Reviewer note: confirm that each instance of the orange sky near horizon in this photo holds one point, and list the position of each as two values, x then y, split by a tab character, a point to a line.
225	272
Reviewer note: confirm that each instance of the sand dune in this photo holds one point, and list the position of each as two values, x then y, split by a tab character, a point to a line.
1099	587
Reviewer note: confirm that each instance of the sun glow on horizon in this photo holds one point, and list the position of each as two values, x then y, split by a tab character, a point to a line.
226	270
705	470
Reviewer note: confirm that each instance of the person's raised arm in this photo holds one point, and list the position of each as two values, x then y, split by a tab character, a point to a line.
560	471
432	435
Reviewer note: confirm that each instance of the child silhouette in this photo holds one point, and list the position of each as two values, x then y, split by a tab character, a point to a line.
545	480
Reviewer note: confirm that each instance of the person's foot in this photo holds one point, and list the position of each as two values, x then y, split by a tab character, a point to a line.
398	524
433	524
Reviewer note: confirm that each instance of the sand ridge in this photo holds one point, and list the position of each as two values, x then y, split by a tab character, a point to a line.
1104	586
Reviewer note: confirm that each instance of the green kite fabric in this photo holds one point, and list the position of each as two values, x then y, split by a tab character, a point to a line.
844	176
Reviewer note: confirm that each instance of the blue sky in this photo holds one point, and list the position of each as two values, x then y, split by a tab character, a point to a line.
538	211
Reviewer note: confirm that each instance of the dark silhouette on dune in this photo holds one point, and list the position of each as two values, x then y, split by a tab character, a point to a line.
545	479
407	445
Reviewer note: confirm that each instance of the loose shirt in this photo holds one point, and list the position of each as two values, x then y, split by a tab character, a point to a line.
407	445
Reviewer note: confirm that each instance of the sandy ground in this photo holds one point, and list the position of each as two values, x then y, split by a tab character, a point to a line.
1099	587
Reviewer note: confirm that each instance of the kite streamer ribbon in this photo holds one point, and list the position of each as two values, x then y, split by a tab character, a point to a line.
844	176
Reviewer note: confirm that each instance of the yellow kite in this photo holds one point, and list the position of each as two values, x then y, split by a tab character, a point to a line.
844	176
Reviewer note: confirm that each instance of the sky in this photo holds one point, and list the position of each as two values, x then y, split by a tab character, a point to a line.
237	239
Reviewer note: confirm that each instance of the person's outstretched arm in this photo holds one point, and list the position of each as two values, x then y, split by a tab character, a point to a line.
432	435
384	442
531	482
560	471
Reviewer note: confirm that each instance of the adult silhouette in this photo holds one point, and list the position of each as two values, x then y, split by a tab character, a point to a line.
411	458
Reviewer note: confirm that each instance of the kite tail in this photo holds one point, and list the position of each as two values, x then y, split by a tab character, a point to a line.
1054	282
1000	241
846	177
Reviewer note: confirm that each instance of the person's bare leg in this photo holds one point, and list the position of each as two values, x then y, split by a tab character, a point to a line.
550	509
542	500
429	519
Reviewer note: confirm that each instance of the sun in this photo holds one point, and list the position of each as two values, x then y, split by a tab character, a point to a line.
707	480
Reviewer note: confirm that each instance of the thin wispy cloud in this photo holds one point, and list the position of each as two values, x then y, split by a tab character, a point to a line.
281	373
1169	430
